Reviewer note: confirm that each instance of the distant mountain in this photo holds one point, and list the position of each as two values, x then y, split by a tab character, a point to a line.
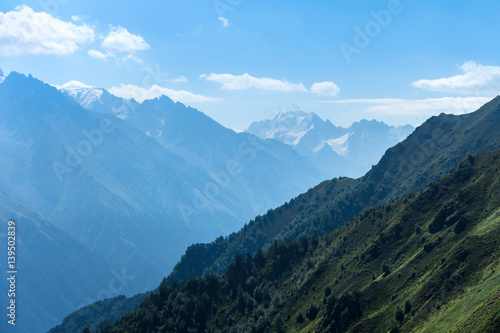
428	262
132	197
212	148
85	95
56	273
335	150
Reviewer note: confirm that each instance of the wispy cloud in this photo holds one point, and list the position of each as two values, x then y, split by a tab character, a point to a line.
99	55
131	57
119	39
181	78
419	107
23	31
476	78
129	91
326	88
225	21
246	81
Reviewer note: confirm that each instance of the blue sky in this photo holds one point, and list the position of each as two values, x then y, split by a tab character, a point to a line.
240	60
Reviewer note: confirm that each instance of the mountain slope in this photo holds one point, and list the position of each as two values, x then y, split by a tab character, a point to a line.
335	150
431	151
425	263
212	148
56	273
94	177
99	315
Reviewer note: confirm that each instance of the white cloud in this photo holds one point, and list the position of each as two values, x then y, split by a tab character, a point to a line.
477	79
23	31
246	81
99	55
119	39
181	78
132	57
325	89
129	91
418	107
225	21
76	18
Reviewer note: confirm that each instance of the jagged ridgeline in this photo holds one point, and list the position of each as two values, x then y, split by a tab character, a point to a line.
426	263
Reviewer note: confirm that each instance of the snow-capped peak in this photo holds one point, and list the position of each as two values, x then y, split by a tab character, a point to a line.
1	76
336	150
74	87
288	126
292	112
86	95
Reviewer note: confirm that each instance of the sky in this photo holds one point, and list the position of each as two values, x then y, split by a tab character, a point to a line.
397	61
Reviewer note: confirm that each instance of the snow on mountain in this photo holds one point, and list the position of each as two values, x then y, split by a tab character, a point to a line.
338	145
335	150
1	76
86	95
288	126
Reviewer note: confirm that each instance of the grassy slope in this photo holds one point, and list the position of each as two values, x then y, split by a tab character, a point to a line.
459	276
479	306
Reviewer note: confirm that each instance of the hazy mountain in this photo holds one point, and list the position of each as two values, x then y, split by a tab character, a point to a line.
56	273
121	192
212	148
425	263
335	150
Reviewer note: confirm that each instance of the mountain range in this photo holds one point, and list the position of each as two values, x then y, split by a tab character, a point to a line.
426	156
337	151
114	190
123	196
